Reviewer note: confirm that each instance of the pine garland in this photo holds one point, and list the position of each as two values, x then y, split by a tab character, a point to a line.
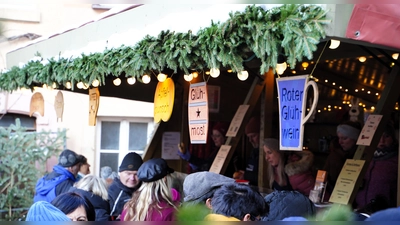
292	30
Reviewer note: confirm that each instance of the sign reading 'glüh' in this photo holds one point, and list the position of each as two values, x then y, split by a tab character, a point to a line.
198	113
292	94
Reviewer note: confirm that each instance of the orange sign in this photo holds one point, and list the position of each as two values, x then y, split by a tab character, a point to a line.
164	100
198	113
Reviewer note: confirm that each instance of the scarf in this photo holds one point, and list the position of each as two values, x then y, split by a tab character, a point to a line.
385	153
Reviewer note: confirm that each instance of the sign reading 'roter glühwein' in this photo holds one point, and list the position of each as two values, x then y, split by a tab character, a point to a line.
292	94
198	113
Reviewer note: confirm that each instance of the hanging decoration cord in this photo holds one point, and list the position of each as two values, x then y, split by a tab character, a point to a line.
319	57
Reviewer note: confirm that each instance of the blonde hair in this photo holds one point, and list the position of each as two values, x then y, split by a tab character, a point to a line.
147	198
279	171
93	184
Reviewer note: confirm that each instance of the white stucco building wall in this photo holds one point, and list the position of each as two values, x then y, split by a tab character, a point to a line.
47	19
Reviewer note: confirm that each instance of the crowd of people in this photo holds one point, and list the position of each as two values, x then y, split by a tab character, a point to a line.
143	191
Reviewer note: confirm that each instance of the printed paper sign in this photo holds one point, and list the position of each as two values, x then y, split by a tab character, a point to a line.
346	181
237	120
368	130
170	142
220	158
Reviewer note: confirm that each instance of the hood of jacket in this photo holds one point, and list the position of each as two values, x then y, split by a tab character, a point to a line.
301	166
51	180
284	204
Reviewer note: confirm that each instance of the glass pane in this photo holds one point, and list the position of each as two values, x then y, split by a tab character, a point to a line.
110	135
26	121
109	159
137	136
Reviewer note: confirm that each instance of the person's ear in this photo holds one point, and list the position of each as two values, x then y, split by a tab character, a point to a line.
247	217
208	203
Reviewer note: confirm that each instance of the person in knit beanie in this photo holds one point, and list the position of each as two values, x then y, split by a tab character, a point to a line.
252	131
379	188
122	188
45	211
347	134
61	179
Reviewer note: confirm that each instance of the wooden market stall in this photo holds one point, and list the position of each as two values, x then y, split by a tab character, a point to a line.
340	75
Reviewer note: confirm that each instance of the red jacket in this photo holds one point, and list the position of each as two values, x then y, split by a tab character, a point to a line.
300	175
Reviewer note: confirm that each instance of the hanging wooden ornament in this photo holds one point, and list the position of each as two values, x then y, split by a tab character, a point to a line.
59	105
94	99
37	104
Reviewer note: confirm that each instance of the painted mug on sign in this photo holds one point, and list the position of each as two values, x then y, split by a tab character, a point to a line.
292	94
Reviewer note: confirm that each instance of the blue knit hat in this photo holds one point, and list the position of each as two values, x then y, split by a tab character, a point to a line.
45	211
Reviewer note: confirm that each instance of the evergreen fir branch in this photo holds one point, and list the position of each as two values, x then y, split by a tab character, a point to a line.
292	29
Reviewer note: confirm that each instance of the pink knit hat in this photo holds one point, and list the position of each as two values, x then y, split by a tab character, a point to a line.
253	126
222	127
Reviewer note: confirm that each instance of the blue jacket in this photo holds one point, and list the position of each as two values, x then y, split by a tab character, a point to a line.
53	184
285	204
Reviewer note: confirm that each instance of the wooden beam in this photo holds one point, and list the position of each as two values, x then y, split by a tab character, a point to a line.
251	99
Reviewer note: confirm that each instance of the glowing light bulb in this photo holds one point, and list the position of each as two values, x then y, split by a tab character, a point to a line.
161	77
117	82
305	65
95	83
362	59
395	55
334	44
68	85
188	77
146	79
79	85
131	80
214	72
243	75
195	74
280	68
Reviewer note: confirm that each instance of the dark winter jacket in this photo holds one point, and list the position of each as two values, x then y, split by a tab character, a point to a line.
380	179
59	181
118	195
101	206
333	165
284	204
300	174
251	173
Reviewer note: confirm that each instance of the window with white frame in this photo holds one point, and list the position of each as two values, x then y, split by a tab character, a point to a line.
118	137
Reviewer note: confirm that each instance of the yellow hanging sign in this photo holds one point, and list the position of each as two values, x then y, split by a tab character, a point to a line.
164	100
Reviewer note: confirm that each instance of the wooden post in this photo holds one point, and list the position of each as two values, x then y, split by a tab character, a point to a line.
267	110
